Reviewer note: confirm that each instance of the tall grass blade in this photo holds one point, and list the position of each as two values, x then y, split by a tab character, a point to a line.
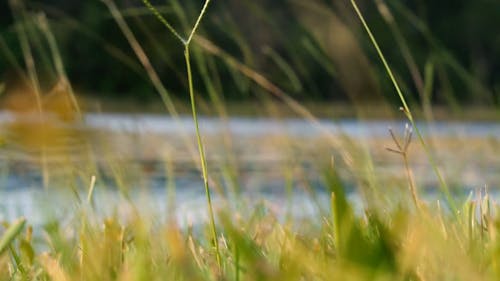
407	111
164	21
56	56
203	159
11	233
19	13
201	149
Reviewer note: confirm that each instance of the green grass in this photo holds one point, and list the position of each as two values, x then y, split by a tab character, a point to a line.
410	239
391	244
406	110
201	148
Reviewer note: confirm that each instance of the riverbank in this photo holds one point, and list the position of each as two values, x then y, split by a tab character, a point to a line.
320	109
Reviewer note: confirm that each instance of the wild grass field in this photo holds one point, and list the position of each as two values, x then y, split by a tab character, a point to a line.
420	219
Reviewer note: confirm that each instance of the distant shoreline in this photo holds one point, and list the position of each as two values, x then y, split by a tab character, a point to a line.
322	110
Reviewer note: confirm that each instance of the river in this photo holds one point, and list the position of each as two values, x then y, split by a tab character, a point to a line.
274	163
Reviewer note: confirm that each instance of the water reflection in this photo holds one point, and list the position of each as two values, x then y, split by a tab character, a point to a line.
143	156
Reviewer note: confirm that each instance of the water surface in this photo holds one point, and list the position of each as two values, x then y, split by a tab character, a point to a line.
269	159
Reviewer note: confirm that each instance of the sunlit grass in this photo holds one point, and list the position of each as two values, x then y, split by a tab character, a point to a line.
409	238
379	244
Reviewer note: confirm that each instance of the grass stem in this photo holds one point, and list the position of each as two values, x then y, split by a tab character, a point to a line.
406	110
197	23
203	159
164	21
201	149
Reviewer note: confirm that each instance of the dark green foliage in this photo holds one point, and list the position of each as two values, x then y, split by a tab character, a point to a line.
458	37
373	247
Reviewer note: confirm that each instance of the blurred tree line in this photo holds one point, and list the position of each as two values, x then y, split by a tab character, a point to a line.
444	52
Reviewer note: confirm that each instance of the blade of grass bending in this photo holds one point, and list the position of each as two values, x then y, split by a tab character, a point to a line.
142	57
11	234
403	46
58	63
267	85
407	111
11	59
19	14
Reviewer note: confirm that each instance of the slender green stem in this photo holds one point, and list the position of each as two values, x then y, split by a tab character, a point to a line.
19	13
11	233
164	21
406	109
203	159
195	27
56	56
201	149
411	181
143	58
384	61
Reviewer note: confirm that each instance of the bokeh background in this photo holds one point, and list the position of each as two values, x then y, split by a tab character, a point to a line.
445	53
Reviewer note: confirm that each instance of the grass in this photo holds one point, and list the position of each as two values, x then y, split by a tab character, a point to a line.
380	241
186	43
393	244
201	149
406	110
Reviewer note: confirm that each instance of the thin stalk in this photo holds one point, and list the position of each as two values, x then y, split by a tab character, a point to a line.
91	190
19	14
411	182
403	46
164	21
203	159
267	85
143	58
12	60
56	56
198	20
402	149
201	149
406	110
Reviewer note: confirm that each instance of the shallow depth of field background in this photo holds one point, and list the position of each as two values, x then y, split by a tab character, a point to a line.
296	113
